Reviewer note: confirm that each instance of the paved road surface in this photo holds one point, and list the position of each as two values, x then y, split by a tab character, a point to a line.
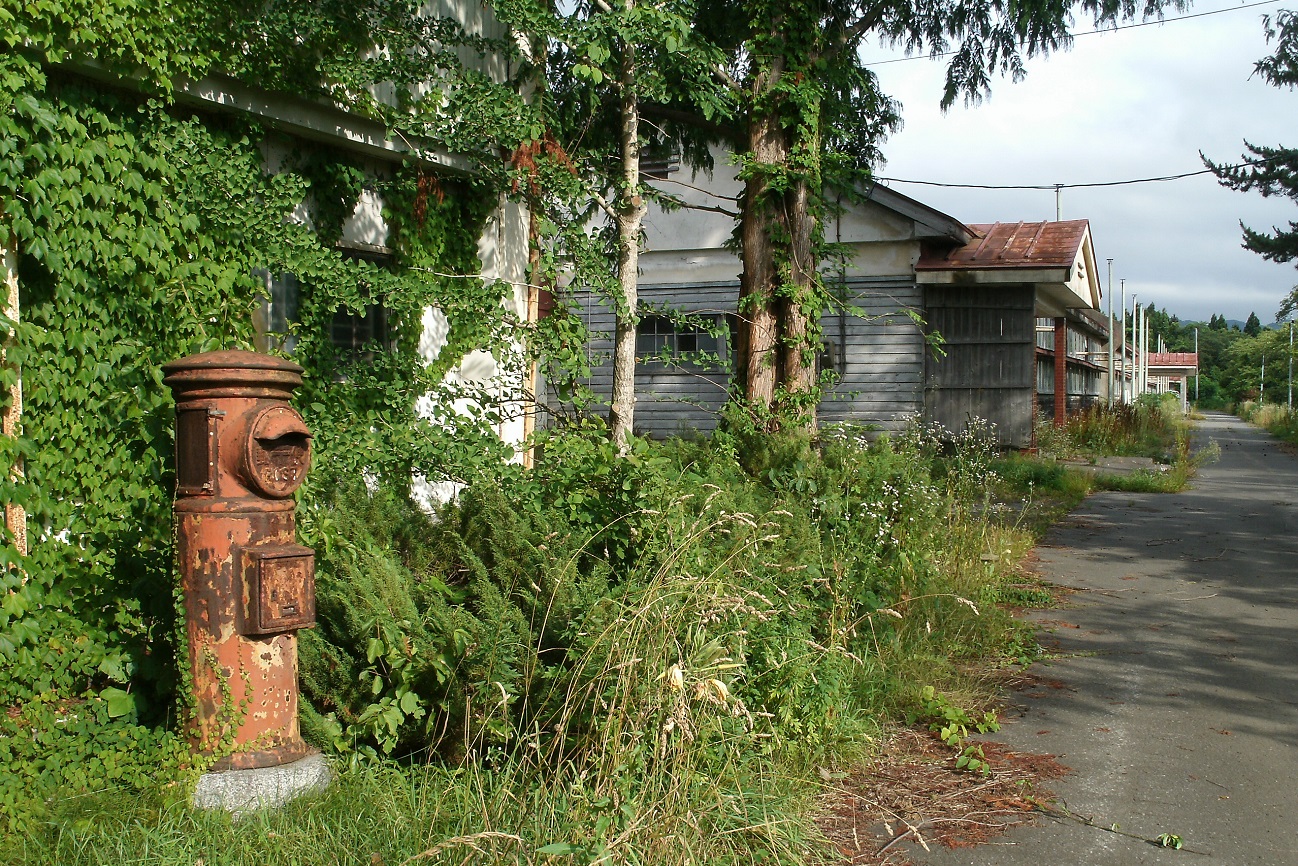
1178	710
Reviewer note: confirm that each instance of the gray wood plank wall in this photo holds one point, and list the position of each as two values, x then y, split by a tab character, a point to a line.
989	366
877	350
671	399
881	374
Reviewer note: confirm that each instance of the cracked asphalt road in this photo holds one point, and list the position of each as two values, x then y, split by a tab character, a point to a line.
1175	701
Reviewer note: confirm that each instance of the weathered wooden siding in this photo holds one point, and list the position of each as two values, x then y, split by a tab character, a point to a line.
671	400
989	367
881	368
881	380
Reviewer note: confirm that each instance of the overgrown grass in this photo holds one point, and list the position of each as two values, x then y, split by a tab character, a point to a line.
649	660
383	813
1273	418
1152	427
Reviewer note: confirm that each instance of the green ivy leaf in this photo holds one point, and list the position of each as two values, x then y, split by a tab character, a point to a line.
120	703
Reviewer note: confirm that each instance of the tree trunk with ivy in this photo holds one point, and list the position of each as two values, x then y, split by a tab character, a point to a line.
629	211
806	301
781	299
761	224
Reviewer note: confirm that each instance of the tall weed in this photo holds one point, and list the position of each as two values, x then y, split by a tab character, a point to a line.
649	660
1278	420
1151	427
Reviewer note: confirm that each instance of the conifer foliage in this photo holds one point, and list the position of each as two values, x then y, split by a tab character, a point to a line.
1272	170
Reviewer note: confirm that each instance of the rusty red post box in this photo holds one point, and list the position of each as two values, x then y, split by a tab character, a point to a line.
241	451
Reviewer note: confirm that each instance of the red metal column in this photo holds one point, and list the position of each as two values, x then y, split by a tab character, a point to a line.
1061	371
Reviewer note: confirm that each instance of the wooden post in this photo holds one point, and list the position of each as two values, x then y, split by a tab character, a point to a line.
532	400
1061	371
11	426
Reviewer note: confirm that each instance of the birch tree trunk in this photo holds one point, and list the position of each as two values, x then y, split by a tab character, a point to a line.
630	211
532	399
11	423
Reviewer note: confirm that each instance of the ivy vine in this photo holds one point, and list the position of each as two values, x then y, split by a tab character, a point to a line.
139	228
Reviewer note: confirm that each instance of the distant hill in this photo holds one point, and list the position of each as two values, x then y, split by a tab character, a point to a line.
1240	323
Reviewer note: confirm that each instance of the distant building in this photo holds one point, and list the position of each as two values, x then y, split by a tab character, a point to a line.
1012	305
911	273
1170	372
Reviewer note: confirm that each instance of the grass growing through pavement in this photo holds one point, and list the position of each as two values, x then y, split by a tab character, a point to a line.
1153	428
1277	420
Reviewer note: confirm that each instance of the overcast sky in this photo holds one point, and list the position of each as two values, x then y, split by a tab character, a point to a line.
1129	104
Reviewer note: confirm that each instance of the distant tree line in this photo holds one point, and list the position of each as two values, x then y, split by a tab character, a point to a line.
1230	357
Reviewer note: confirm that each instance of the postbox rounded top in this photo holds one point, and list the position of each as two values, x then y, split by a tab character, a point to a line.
232	370
277	452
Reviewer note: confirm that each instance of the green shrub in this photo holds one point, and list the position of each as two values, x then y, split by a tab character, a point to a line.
658	654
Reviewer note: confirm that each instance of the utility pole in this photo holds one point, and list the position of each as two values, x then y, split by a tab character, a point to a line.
1135	348
1110	261
1144	351
1059	204
1145	322
1196	365
1261	387
1123	331
1289	405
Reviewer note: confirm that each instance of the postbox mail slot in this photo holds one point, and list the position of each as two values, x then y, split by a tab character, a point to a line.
278	452
279	588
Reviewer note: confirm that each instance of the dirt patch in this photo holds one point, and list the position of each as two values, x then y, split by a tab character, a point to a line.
913	795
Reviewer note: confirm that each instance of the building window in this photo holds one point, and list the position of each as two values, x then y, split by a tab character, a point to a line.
657	162
356	335
353	334
278	311
694	339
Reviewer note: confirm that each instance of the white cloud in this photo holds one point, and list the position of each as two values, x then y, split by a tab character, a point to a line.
1134	103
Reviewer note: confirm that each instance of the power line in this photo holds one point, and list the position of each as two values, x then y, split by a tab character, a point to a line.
1167	177
1115	28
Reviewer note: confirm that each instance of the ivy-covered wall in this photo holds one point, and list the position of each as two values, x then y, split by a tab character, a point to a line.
142	233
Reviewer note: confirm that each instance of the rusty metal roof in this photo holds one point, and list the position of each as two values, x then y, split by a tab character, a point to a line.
1013	245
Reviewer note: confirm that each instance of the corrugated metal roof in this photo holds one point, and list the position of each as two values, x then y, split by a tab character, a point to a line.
1013	245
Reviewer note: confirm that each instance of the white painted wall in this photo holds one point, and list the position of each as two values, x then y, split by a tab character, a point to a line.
687	245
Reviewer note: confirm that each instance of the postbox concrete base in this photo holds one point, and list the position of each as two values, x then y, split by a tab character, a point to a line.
243	791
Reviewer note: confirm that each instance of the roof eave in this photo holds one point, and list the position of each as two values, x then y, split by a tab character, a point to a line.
929	222
992	276
310	119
